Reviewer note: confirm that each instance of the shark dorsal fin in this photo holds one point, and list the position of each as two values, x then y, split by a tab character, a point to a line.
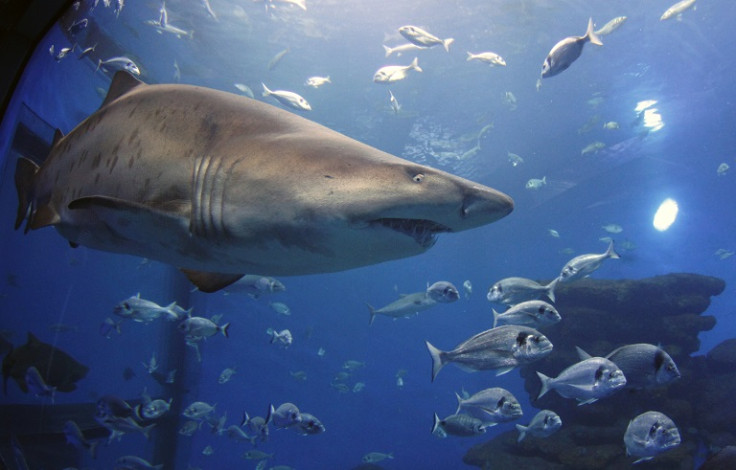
122	83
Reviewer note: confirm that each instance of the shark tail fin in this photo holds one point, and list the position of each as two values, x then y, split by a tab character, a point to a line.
25	174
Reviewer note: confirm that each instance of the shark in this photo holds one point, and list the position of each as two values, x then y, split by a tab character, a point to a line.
221	185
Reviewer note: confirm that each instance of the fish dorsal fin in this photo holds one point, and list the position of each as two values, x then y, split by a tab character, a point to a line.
210	282
122	83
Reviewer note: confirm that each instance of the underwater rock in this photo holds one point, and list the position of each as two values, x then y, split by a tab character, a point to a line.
599	316
57	368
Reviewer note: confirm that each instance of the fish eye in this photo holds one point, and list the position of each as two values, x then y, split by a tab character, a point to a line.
126	305
418	178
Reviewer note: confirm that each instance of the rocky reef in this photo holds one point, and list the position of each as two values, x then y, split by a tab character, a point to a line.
599	316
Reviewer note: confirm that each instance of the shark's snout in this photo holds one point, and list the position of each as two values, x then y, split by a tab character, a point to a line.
482	205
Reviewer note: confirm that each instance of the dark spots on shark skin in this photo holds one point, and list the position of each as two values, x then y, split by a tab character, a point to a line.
329	177
131	161
113	163
133	136
96	161
56	178
97	178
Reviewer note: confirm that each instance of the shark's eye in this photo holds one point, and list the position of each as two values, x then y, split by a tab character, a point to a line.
418	177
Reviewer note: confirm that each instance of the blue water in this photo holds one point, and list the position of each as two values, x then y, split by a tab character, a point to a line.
686	66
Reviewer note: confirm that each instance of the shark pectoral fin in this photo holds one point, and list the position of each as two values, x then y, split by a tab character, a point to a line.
25	173
132	220
210	282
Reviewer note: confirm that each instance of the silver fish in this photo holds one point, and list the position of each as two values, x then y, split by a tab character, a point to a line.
585	381
611	26
458	425
199	327
283	337
37	385
565	52
309	425
286	415
75	437
422	38
256	286
543	424
644	365
373	457
401	48
513	290
490	58
496	405
394	73
141	310
226	375
500	348
407	305
677	9
443	292
119	63
276	59
650	434
583	265
317	82
238	179
395	106
198	410
288	98
534	313
132	462
155	408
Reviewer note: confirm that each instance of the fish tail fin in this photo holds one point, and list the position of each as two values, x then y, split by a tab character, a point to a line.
436	423
545	384
147	430
245	419
223	329
437	361
446	43
522	432
372	312
269	415
415	64
470	56
590	34
551	288
99	64
25	174
266	91
495	317
610	253
459	402
390	455
387	49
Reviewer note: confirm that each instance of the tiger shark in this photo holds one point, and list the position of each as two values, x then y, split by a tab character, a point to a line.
221	185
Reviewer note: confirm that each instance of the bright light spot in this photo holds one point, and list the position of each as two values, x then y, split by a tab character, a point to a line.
653	120
666	215
642	105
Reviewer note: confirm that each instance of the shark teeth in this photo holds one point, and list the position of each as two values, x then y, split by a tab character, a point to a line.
423	231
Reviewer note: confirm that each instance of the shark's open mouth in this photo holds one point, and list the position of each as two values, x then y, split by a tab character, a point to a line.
423	231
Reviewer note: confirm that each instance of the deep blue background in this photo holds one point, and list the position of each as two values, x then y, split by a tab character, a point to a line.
687	66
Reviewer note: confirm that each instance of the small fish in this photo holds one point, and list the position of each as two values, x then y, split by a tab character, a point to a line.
254	285
467	288
121	426
497	405
37	385
583	265
63	52
513	290
278	58
510	99
162	25
255	454
321	352
406	306
353	365
394	73
534	313
585	381
538	85
177	73
611	125
536	183
198	410
515	159
443	292
501	348
373	457
401	48
645	366
317	82
593	148
208	450
309	425
245	89
78	26
208	7
287	98
141	310
722	169
132	462
226	375
358	387
422	38
458	425
553	233
650	434
120	63
612	228
152	365
565	52
298	3
611	26
75	437
286	415
543	424
280	308
490	58
189	428
87	51
723	253
677	9
199	327
299	375
395	106
283	338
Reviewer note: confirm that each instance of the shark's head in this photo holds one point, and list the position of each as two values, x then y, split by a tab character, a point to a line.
353	205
